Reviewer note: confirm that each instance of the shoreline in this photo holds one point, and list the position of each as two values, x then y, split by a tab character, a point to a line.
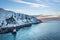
10	29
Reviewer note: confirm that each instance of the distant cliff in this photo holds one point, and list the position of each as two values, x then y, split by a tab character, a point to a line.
49	18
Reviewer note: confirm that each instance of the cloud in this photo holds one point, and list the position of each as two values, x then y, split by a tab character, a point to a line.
54	12
38	1
41	0
47	0
56	0
30	3
53	0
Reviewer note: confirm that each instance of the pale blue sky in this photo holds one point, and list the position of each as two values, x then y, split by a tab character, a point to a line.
32	7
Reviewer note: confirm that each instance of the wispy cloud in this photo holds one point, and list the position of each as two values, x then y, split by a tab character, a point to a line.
47	0
53	12
30	3
56	0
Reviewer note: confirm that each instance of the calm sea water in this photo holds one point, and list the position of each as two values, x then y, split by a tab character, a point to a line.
43	31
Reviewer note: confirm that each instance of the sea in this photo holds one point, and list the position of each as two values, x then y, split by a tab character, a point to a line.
42	31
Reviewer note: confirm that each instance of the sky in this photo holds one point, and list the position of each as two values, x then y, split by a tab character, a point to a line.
32	7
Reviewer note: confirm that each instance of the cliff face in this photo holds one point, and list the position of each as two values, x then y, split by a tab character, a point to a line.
10	18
